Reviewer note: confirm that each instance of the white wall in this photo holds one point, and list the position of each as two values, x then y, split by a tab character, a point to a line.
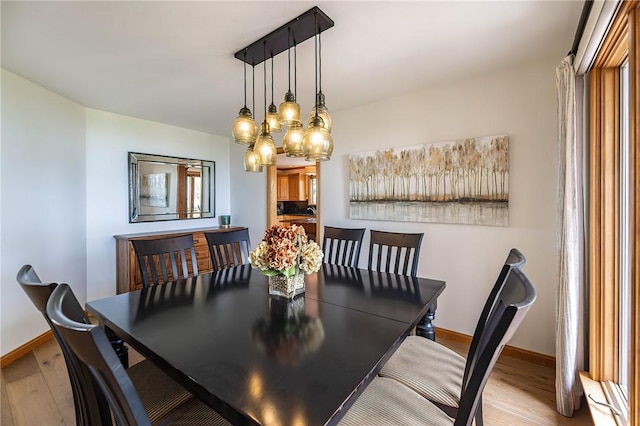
519	102
64	182
43	200
109	138
249	200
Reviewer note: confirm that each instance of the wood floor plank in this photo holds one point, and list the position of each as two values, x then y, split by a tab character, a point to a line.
21	368
54	370
6	418
32	403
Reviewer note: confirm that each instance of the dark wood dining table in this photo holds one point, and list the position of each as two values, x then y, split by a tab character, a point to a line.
259	359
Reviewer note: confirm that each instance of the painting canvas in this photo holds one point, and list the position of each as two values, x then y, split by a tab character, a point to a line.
154	190
462	181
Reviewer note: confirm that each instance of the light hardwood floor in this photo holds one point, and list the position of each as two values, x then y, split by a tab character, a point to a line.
36	391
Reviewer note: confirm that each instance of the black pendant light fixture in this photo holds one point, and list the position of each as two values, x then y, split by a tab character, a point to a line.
244	128
317	142
289	109
320	108
250	158
272	115
309	24
265	148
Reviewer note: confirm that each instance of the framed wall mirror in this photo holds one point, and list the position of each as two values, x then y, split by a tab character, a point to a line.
170	188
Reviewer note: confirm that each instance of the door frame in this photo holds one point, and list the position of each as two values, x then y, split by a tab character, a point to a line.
272	196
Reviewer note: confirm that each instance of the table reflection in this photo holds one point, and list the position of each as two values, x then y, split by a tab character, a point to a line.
289	332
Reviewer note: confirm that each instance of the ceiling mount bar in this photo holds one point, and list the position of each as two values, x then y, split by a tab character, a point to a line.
302	28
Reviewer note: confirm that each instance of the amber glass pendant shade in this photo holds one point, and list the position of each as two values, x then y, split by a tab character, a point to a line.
272	119
317	142
244	128
251	161
322	111
265	148
289	110
292	141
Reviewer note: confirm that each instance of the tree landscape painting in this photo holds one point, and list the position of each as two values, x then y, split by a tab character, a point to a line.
463	181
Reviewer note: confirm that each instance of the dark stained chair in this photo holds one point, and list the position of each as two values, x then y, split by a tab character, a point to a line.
341	246
156	255
113	394
394	252
228	249
389	400
431	383
147	378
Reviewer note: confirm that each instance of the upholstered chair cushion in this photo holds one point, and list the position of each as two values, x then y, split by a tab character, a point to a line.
387	402
430	369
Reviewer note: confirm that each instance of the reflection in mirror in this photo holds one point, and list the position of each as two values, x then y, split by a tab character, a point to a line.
170	188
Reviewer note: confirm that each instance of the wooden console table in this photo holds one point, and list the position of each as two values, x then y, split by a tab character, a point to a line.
127	271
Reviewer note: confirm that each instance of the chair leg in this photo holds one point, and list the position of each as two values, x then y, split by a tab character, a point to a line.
479	421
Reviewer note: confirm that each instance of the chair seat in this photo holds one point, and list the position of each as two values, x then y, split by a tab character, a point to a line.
387	402
428	368
148	380
197	413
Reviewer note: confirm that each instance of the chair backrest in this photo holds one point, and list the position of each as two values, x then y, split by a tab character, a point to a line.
395	253
512	304
228	249
40	293
105	377
341	246
515	259
158	253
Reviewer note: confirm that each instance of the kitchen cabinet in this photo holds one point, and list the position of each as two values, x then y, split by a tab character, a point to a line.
283	187
292	187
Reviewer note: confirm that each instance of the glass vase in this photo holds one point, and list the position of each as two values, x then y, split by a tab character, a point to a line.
287	287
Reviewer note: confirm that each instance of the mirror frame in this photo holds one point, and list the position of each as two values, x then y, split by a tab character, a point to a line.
207	187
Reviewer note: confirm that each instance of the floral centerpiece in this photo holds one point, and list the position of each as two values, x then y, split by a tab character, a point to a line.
285	254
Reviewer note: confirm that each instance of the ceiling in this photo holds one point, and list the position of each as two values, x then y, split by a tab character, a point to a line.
172	62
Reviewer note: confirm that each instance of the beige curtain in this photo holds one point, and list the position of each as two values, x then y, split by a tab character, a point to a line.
570	241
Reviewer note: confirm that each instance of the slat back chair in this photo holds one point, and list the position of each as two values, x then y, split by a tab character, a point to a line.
228	249
512	305
39	294
393	252
395	403
515	259
109	381
159	253
114	394
444	391
341	246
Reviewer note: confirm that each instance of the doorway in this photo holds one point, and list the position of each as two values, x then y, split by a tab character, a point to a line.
294	186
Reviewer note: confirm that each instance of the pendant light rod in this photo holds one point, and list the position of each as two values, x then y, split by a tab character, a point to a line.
295	68
303	28
320	60
245	82
315	45
264	74
289	58
272	79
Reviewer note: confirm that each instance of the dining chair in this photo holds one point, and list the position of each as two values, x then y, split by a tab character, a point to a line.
159	253
394	252
115	396
390	401
228	249
341	246
147	378
39	293
442	381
